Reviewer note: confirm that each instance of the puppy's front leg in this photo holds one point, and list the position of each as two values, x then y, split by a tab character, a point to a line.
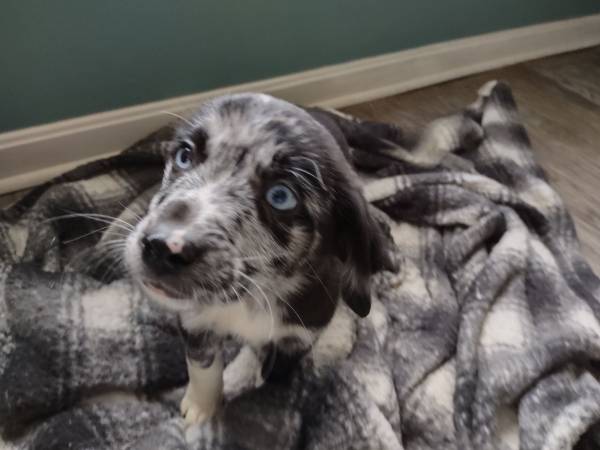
205	370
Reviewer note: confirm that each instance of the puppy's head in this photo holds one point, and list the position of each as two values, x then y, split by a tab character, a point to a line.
256	196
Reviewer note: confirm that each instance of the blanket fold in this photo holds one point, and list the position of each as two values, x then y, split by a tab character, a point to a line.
486	337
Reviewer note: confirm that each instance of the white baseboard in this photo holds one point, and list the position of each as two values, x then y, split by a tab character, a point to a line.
33	155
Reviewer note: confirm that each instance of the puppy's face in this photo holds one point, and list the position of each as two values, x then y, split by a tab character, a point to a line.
257	198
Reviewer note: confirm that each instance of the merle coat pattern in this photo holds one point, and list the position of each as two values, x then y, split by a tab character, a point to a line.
212	246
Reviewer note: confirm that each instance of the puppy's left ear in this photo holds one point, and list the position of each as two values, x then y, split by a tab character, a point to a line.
362	247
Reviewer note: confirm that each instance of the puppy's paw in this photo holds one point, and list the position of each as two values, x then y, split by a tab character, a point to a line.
196	409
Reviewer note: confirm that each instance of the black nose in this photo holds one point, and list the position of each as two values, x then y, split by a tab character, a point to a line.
157	255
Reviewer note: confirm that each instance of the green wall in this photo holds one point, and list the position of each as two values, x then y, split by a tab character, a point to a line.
65	58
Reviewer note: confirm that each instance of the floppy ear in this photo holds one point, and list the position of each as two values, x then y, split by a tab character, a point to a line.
361	246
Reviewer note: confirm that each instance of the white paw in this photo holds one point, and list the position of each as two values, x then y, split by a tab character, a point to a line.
197	410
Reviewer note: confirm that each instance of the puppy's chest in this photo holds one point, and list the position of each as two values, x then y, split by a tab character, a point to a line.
256	327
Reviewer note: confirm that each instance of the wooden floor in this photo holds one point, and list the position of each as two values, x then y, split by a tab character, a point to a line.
559	100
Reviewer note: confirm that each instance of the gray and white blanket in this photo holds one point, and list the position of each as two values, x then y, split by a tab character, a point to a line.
488	337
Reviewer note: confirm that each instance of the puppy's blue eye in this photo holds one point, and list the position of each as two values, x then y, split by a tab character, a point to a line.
281	197
183	156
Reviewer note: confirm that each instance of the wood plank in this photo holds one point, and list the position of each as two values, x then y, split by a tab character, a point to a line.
578	72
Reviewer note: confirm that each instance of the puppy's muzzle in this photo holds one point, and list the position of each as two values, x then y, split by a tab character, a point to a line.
167	256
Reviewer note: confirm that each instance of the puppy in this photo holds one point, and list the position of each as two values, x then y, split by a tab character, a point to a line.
258	230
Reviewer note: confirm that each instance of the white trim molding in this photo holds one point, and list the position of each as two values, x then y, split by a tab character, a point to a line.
33	155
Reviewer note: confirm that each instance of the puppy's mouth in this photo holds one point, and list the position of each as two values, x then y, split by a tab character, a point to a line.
165	291
162	290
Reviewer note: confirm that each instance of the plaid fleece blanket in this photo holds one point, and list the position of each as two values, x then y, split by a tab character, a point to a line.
487	337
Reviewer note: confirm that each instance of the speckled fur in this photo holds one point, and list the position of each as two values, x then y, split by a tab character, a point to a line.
270	278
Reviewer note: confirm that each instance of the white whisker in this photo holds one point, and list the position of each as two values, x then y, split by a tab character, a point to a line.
135	215
178	116
117	222
272	330
98	230
321	282
253	297
301	177
279	297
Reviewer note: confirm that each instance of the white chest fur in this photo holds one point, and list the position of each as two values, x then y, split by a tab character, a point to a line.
254	326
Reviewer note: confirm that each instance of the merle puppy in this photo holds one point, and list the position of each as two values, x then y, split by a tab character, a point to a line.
258	230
